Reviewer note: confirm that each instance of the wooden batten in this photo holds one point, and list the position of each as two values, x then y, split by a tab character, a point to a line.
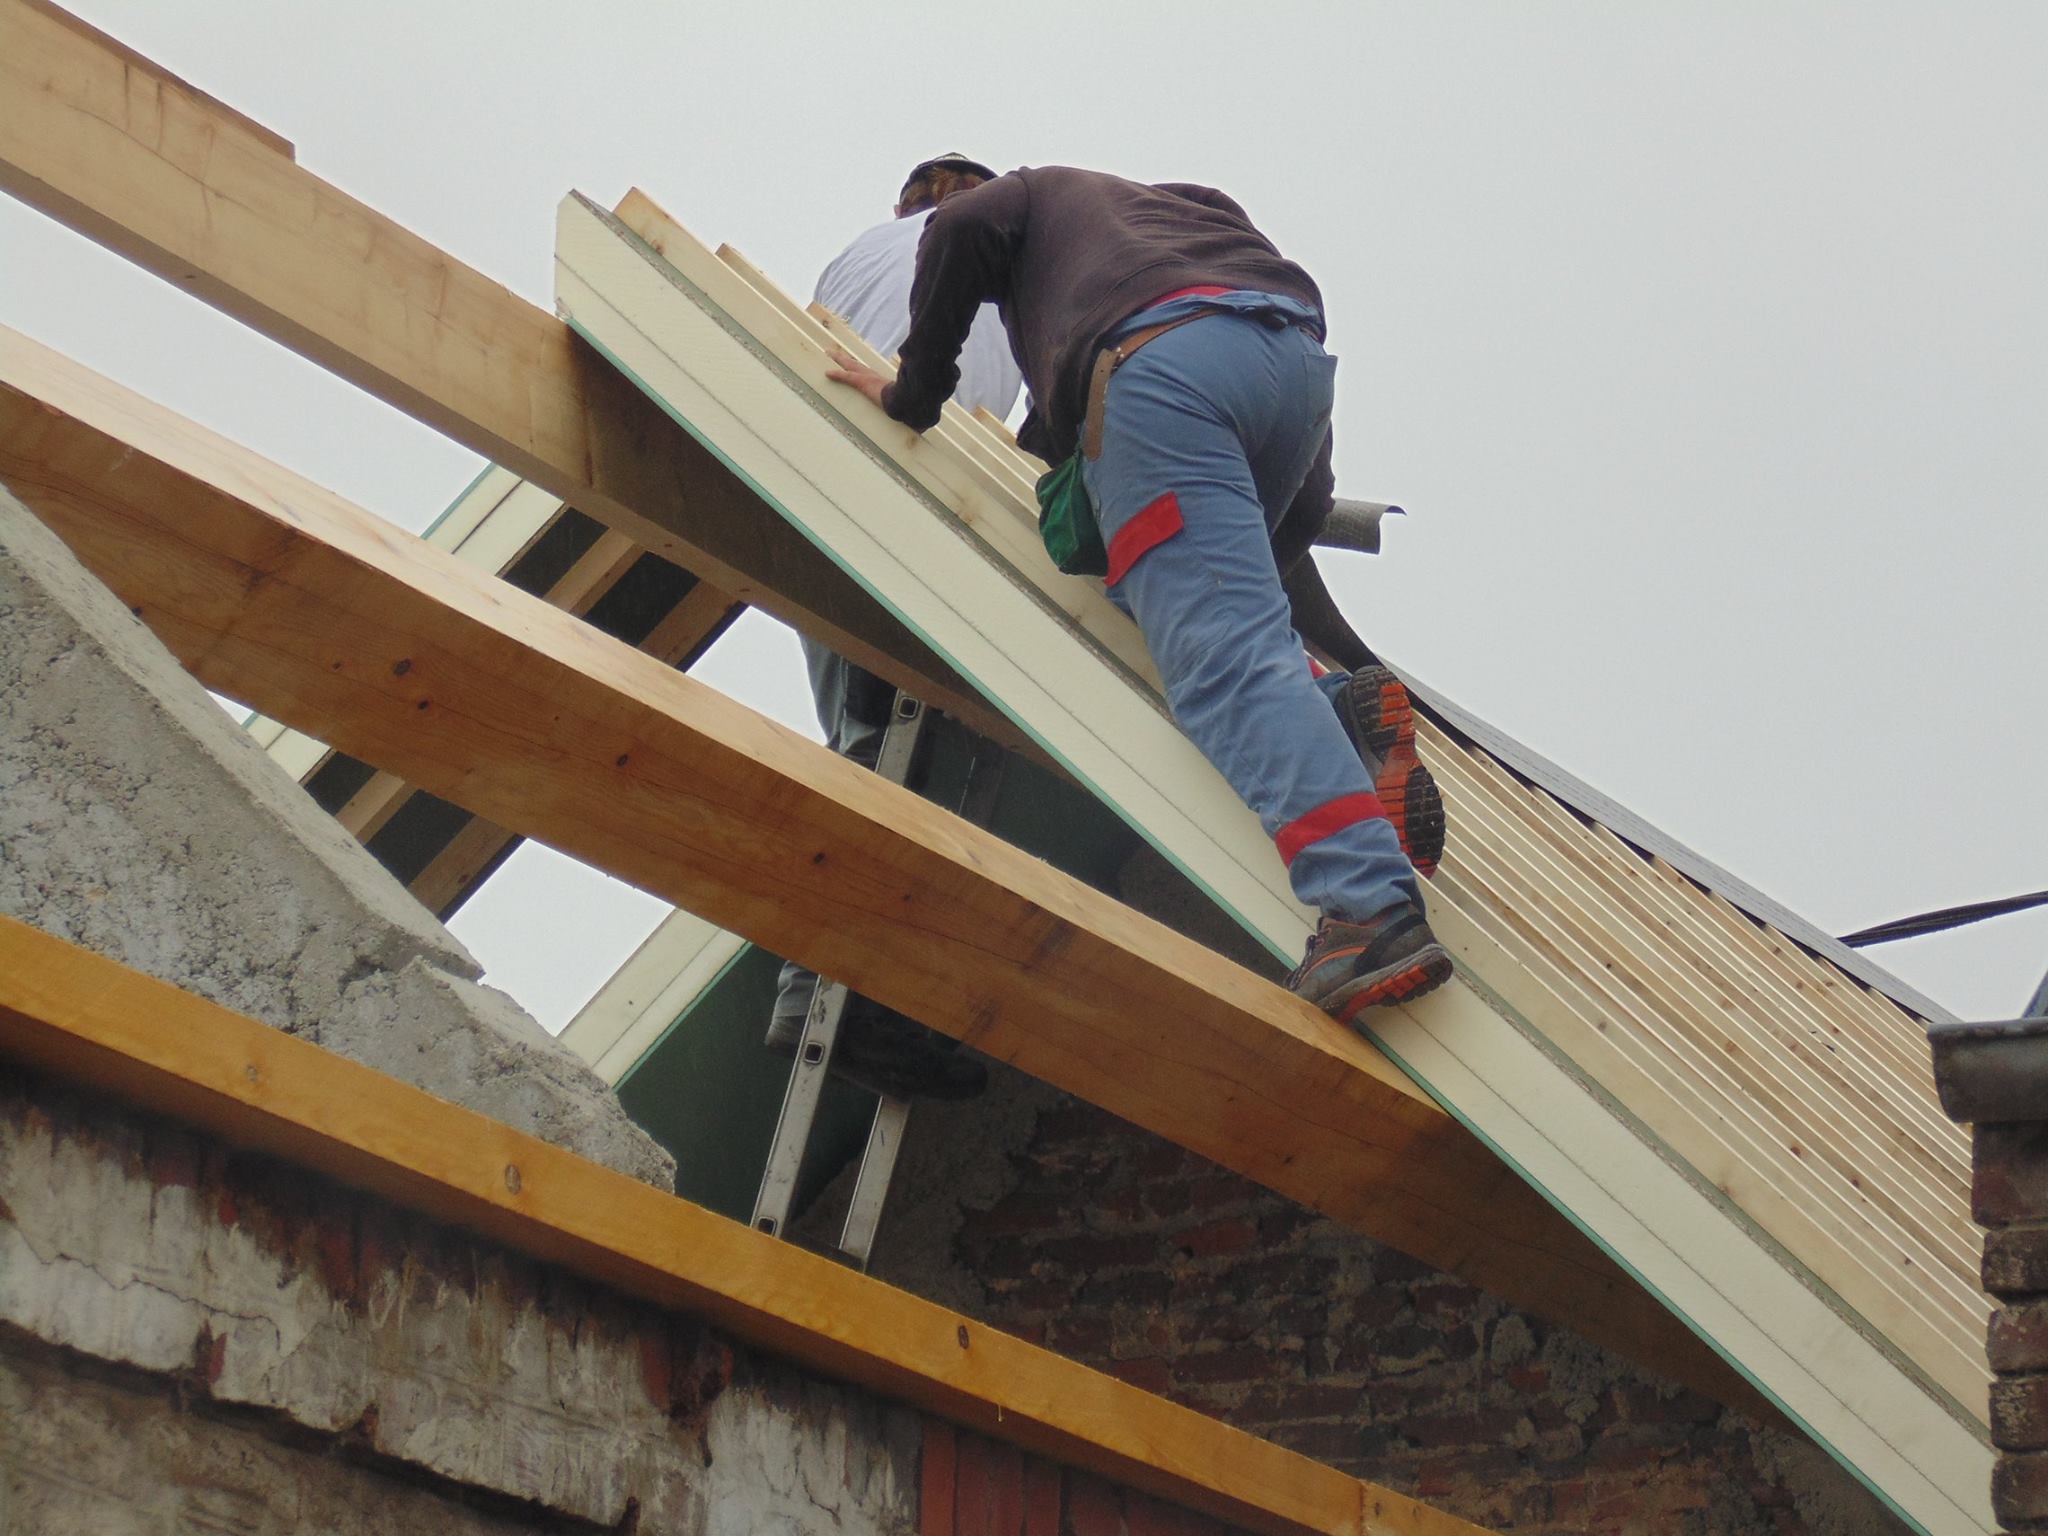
67	1011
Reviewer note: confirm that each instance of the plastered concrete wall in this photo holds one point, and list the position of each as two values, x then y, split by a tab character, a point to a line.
115	1455
191	1333
196	1339
1051	1219
136	819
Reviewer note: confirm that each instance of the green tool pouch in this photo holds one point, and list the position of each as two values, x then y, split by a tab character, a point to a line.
1066	515
1066	521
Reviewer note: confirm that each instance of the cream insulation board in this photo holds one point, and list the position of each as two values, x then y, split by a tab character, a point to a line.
632	1011
849	497
1707	1265
740	373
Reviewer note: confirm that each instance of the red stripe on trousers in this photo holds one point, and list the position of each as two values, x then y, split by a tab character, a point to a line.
1157	522
1331	817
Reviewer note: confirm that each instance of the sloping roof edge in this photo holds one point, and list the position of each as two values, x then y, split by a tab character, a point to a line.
1646	839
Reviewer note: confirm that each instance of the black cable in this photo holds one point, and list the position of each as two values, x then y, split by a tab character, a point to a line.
1941	921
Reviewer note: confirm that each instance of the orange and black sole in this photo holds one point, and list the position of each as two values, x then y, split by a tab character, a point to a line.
1381	721
1430	970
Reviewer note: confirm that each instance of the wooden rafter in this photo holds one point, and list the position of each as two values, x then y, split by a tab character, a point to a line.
70	1012
124	152
278	592
503	524
466	853
480	845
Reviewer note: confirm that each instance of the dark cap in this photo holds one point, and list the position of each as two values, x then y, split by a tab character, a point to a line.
950	163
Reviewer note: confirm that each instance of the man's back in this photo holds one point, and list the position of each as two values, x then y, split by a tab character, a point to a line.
1069	253
868	284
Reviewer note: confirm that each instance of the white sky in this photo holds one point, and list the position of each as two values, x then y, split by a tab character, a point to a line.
1705	343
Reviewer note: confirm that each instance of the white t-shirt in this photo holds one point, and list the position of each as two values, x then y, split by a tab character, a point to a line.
868	284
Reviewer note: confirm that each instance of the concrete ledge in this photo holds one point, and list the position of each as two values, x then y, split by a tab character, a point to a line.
136	820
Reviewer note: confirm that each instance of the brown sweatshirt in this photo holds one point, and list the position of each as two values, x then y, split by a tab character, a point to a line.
1065	254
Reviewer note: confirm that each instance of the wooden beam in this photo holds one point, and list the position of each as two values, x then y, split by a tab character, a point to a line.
67	1011
365	812
453	874
273	142
474	848
480	845
277	592
595	573
122	151
686	628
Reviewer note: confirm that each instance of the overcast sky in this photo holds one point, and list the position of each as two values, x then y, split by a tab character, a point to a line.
1706	344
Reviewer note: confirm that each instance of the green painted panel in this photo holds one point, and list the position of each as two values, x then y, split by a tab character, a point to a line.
709	1091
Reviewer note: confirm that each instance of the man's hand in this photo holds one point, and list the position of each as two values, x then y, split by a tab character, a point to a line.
859	375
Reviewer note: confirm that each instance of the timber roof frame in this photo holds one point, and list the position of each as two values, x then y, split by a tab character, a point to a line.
505	525
271	589
114	147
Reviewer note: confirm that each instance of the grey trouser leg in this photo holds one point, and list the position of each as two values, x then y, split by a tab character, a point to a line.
853	710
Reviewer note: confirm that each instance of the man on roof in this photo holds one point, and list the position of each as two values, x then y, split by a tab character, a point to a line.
868	286
1177	374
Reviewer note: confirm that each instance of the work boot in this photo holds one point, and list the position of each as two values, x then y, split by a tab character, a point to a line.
1374	707
1389	958
880	1050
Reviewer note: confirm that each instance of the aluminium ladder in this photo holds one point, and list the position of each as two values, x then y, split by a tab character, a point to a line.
901	761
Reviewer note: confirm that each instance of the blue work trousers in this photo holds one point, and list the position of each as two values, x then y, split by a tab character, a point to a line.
1208	433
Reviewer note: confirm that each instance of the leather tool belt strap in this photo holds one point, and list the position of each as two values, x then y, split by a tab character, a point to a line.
1107	361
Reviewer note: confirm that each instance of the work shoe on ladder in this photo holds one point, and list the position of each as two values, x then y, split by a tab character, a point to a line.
1374	707
1388	958
880	1050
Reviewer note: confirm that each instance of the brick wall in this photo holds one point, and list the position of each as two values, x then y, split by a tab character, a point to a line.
2009	1197
1063	1224
1994	1078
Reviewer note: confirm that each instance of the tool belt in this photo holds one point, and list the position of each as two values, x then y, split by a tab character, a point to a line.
1066	515
1107	361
